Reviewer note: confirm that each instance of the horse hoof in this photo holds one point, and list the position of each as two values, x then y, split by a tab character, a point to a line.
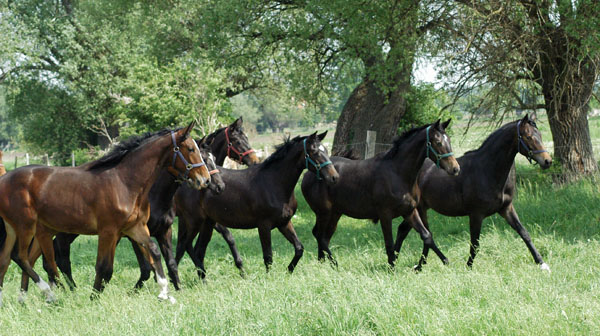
446	262
21	298
166	297
417	268
545	267
50	298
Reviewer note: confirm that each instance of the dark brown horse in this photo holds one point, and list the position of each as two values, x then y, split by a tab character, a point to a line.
257	197
230	141
485	185
381	188
107	197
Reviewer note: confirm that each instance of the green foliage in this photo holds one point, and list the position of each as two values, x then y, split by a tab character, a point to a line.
424	105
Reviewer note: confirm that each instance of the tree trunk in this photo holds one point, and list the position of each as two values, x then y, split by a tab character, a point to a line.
368	108
572	143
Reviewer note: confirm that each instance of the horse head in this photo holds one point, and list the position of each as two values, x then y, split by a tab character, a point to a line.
439	149
530	143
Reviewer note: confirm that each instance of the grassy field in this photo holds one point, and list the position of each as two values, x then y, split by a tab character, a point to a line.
504	293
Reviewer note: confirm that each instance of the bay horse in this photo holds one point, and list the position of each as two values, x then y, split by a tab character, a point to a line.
380	188
257	197
230	141
107	197
485	186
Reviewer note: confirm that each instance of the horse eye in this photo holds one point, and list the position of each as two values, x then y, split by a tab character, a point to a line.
190	149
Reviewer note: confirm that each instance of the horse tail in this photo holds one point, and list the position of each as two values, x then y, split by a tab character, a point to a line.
348	154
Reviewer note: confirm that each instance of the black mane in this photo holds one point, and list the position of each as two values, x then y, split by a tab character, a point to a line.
120	150
391	153
214	134
282	150
492	137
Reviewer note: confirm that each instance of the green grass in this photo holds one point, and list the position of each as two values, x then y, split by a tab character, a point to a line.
504	293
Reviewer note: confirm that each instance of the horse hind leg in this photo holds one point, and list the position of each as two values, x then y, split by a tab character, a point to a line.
290	234
166	247
8	243
145	267
62	249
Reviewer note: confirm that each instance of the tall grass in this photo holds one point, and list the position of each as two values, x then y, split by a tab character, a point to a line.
504	293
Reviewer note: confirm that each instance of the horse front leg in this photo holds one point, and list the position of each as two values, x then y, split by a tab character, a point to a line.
204	236
290	234
237	259
510	215
388	239
264	232
403	230
415	221
145	267
165	243
475	231
139	232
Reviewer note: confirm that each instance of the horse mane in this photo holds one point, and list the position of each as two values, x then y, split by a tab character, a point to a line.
282	150
391	153
120	150
491	138
214	134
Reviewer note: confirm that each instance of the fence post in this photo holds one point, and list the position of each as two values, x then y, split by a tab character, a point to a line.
16	157
47	159
370	144
72	159
27	159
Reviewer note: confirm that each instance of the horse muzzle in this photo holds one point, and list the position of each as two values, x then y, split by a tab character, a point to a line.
543	159
330	174
451	166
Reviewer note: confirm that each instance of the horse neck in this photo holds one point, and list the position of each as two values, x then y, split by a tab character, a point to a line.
284	174
140	168
410	157
162	191
219	148
499	153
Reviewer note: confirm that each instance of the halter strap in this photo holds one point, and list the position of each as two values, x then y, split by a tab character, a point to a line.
230	147
522	143
318	166
188	166
429	147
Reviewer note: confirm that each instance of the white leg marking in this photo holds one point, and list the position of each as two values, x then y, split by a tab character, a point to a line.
545	267
46	289
22	296
164	289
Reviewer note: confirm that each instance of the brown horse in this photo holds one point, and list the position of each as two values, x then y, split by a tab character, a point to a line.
485	186
257	197
107	197
381	188
230	141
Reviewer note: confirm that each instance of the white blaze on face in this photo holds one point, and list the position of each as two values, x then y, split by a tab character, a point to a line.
445	138
322	148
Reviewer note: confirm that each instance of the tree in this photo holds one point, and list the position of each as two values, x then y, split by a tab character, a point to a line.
308	45
550	46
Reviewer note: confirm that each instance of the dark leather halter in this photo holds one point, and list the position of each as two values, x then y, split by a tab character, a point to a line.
230	147
522	143
188	166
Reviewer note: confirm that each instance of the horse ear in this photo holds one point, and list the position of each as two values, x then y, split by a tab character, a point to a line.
187	130
526	117
322	136
313	136
237	124
446	123
437	125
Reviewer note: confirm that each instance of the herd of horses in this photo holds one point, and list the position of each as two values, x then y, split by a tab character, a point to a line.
138	188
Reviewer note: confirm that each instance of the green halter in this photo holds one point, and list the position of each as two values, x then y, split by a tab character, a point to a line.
430	148
317	166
